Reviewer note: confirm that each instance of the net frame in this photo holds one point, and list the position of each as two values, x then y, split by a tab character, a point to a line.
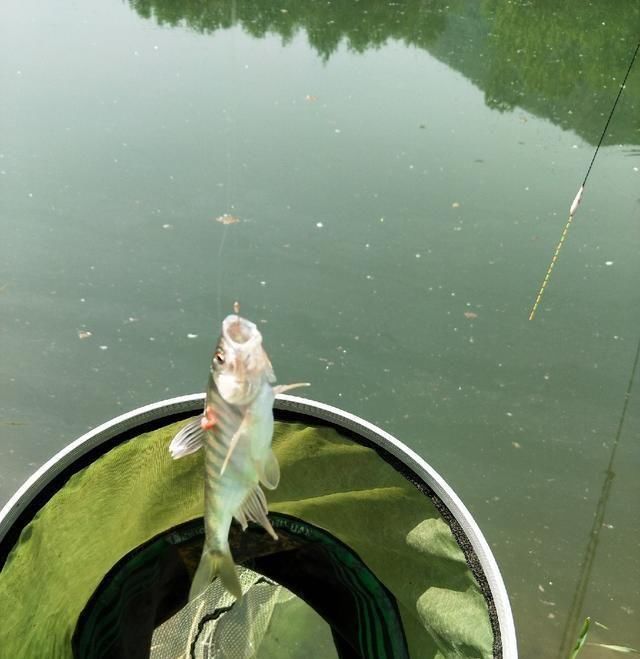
24	504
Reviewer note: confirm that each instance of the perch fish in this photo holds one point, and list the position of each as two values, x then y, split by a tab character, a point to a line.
235	429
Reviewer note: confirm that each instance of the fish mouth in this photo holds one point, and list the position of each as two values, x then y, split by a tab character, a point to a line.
240	332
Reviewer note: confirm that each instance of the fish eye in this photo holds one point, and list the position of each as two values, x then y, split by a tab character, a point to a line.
218	357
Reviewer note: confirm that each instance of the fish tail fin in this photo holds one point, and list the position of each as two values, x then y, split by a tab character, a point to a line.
212	564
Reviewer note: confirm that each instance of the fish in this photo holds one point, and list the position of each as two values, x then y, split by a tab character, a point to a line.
235	430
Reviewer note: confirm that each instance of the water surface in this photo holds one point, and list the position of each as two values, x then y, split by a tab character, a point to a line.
402	172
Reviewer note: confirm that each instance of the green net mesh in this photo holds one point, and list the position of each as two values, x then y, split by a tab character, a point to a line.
135	495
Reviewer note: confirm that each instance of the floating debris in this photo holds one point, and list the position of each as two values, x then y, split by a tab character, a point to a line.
608	262
190	335
471	315
167	226
104	347
310	98
455	204
319	225
227	218
84	334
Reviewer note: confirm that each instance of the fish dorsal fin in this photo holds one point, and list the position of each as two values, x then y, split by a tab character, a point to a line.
254	508
281	388
188	440
269	473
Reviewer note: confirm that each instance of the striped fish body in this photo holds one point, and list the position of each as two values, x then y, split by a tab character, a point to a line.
225	493
234	491
235	431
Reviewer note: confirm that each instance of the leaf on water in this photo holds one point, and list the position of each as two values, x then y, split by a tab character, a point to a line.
581	638
227	218
615	648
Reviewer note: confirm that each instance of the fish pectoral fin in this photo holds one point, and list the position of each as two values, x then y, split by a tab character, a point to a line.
213	564
254	508
188	440
269	472
281	388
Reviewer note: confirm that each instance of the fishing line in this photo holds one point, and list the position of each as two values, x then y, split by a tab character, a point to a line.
220	271
231	146
578	197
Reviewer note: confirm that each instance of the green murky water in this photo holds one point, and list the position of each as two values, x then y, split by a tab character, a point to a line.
402	172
